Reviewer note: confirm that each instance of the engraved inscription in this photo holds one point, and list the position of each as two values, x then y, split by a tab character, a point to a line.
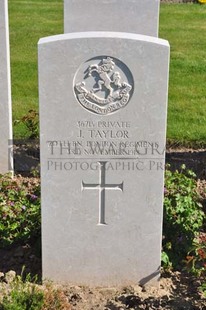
101	187
105	86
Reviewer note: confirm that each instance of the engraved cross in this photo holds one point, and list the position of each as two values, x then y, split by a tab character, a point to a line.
101	187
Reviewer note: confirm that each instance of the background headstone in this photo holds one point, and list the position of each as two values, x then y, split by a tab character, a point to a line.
103	103
134	16
5	91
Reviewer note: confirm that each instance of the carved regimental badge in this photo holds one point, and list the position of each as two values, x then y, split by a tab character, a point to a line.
103	85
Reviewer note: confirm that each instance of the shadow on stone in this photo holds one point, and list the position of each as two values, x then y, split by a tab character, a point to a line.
147	279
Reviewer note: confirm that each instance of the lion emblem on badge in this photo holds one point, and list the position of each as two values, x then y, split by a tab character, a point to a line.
105	86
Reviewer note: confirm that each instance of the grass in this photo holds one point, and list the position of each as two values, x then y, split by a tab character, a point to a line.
182	24
184	27
29	21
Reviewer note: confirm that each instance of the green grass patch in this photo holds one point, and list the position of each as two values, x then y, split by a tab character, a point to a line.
29	21
183	25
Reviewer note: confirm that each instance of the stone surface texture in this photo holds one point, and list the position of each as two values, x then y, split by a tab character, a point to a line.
133	16
5	91
102	209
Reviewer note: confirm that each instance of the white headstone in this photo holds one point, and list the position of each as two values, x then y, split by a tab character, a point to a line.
134	16
103	103
5	91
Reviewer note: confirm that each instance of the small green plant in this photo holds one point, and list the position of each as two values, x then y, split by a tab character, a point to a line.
203	288
35	172
23	295
196	260
19	209
31	121
183	216
166	261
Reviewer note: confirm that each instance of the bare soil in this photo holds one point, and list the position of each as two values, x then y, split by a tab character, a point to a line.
176	291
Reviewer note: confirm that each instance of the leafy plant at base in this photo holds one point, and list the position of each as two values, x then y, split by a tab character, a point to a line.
203	288
23	295
27	295
183	216
31	121
20	217
196	260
